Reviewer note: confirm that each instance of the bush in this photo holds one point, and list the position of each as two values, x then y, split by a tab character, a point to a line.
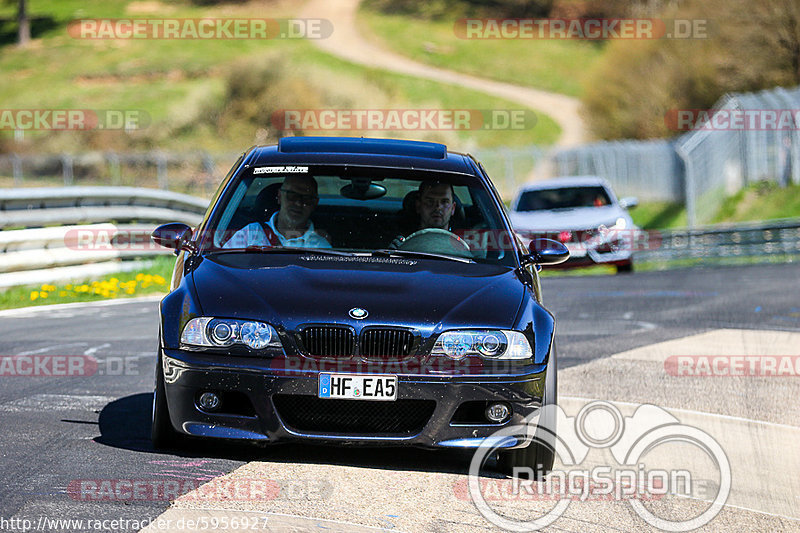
453	9
751	46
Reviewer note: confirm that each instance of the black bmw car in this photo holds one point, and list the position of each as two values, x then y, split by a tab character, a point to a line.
360	291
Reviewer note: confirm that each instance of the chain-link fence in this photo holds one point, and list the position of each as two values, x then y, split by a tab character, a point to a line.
701	167
196	173
748	137
649	170
199	173
744	138
510	167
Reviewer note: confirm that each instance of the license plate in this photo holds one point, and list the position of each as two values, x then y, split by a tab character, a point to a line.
358	387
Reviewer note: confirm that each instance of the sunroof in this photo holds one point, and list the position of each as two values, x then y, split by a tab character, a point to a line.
360	145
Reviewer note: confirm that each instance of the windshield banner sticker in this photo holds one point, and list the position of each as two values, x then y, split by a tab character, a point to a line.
281	170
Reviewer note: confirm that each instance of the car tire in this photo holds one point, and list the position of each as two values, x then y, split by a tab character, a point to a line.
625	268
540	454
162	434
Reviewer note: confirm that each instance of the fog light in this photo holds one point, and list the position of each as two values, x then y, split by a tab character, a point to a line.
208	401
498	412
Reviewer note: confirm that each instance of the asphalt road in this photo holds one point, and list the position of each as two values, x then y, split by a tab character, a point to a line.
59	432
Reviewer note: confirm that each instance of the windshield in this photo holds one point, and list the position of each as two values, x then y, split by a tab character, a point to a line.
433	215
563	198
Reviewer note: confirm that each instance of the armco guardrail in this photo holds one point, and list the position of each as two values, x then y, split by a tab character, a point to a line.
775	237
52	234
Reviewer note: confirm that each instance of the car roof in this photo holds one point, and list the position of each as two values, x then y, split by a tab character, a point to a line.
565	181
360	151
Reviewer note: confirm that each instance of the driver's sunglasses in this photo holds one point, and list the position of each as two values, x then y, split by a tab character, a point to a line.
297	198
436	202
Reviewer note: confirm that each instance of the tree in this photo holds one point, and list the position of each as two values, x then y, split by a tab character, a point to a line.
23	23
749	46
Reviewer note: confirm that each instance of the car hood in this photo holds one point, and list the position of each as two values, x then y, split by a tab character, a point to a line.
572	219
288	290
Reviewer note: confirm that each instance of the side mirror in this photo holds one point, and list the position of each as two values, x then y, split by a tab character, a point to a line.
547	252
628	202
175	235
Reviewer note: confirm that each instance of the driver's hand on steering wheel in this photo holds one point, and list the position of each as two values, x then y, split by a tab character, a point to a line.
395	244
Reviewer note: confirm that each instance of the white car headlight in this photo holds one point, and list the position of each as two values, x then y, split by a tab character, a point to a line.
490	344
209	332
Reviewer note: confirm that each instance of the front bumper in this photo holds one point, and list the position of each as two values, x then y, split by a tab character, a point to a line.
263	404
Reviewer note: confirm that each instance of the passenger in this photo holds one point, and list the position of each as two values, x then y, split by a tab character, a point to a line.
291	225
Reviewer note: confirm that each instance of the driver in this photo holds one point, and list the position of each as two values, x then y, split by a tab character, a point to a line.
435	206
290	226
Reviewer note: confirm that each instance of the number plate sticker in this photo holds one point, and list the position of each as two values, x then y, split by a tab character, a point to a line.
358	386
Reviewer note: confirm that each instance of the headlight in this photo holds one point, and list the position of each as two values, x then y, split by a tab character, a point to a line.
621	223
490	344
208	332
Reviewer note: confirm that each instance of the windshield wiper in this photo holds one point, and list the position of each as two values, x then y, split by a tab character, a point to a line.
283	250
388	252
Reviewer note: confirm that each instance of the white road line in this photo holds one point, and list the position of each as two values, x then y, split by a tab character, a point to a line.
25	311
57	402
48	348
93	349
687	411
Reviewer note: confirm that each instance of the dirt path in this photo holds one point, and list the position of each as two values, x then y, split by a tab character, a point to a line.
347	43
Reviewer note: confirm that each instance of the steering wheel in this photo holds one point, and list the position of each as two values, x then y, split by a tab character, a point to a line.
437	241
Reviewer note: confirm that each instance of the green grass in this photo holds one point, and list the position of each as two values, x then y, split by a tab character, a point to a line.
94	289
764	200
177	82
659	215
550	64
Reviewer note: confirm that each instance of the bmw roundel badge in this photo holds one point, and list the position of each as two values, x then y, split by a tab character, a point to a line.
358	313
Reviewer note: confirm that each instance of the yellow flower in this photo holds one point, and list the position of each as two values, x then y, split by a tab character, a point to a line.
159	280
113	281
42	294
62	293
129	290
68	287
139	276
34	295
